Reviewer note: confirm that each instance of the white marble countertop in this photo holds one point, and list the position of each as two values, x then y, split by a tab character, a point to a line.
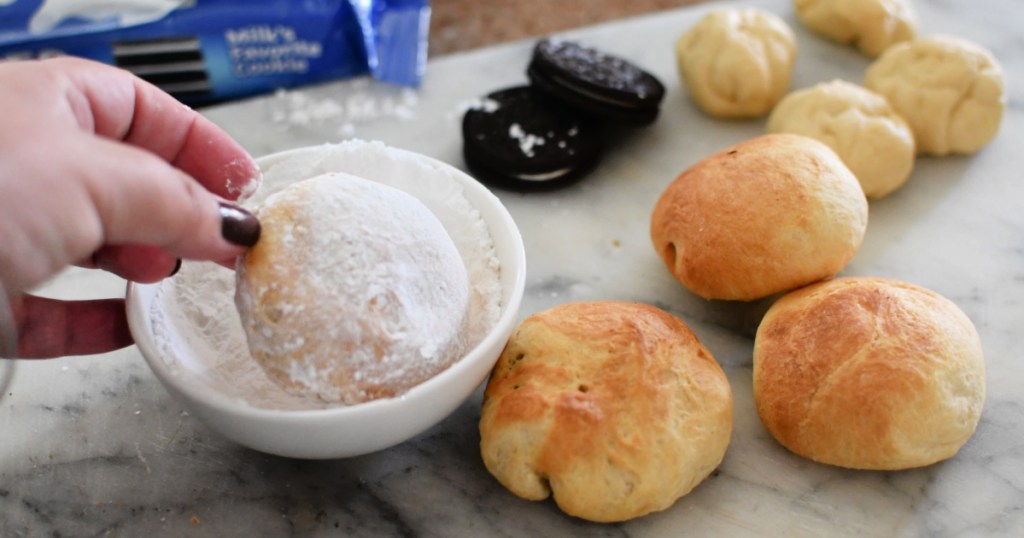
95	446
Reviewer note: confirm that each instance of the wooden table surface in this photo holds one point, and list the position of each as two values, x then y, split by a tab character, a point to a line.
458	25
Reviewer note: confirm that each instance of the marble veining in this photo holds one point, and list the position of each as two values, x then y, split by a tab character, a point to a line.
94	446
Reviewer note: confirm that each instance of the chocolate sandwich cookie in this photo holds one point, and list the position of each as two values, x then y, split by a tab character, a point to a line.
596	83
519	139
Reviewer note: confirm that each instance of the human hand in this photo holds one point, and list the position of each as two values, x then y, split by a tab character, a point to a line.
101	169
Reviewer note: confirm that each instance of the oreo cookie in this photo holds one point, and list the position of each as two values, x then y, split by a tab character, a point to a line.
596	83
519	139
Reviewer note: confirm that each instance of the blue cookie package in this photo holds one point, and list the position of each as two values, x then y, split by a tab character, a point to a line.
204	51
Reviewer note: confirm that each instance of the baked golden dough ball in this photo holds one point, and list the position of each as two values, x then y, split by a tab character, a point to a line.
871	138
737	63
767	215
868	373
354	291
871	25
613	408
949	90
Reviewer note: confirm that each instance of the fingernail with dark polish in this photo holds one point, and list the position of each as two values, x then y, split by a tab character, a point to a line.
177	267
238	225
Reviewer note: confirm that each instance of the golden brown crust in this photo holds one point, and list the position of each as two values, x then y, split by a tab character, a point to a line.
614	408
767	215
868	373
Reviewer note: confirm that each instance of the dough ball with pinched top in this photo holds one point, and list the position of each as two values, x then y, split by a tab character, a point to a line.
613	408
737	63
949	90
871	138
871	25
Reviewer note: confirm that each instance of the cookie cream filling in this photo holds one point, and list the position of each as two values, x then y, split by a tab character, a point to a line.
545	176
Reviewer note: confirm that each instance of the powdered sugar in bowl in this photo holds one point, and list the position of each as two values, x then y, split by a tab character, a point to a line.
189	332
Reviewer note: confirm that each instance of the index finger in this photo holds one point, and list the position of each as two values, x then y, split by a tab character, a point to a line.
124	107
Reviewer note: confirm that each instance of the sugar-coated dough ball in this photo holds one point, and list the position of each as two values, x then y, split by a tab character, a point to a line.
737	63
949	90
354	291
868	373
764	216
869	135
871	25
613	408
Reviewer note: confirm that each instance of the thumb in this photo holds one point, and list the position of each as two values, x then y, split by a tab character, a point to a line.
141	199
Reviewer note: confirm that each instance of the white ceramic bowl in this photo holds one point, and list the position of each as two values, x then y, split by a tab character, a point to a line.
359	429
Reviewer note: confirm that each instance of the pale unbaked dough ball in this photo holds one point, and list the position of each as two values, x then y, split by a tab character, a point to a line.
864	130
868	373
871	25
354	291
764	216
613	408
737	63
949	90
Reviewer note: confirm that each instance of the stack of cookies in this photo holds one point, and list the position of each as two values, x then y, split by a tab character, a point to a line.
549	134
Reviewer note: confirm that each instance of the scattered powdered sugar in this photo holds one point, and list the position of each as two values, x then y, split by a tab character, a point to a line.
245	190
527	141
485	104
196	322
360	105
